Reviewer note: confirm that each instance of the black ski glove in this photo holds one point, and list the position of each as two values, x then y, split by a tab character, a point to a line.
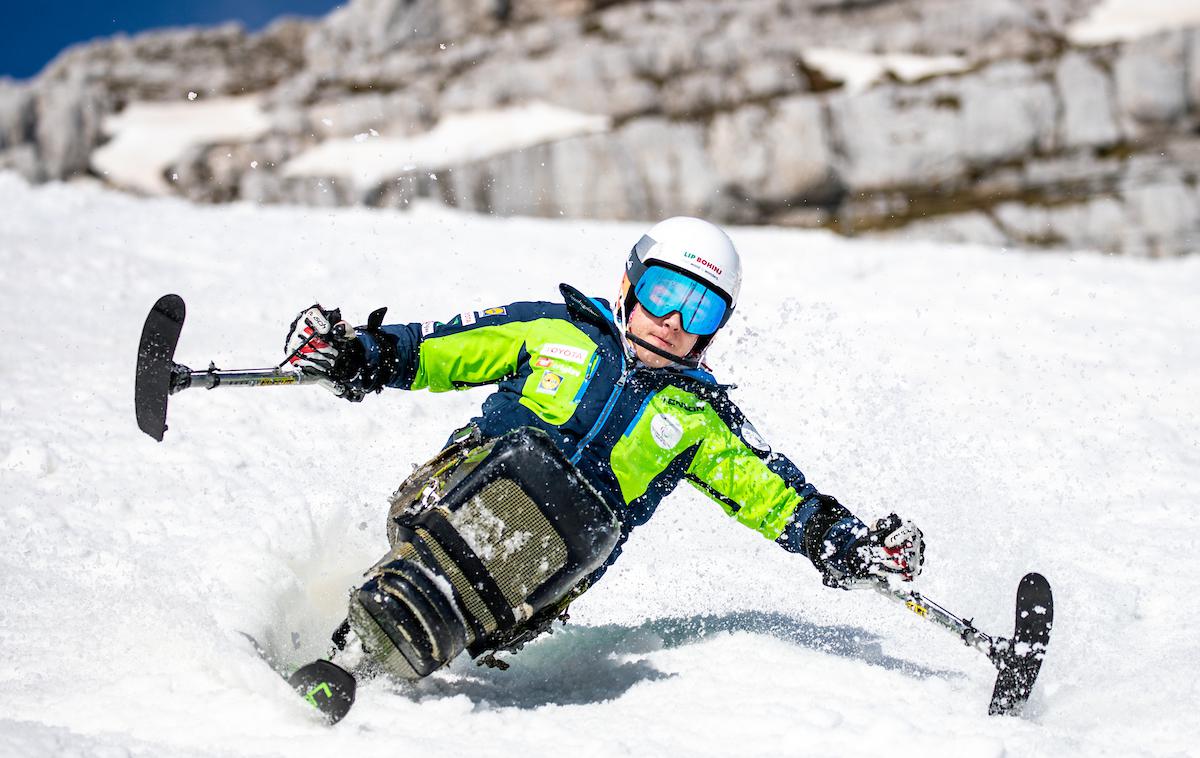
320	342
350	362
893	547
314	338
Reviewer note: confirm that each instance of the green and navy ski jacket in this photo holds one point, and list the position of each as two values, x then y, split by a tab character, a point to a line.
633	431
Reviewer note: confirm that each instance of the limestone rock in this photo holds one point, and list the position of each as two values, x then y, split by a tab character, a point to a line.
697	94
69	115
165	65
16	114
1088	118
1096	224
895	136
1151	78
1193	74
933	133
394	115
970	227
1008	112
651	168
740	158
596	176
1167	214
771	77
365	28
775	155
675	169
24	160
516	183
599	80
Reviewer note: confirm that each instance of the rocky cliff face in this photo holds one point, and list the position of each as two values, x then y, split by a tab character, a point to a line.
980	120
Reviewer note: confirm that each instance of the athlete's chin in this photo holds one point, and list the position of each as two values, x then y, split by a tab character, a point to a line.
653	360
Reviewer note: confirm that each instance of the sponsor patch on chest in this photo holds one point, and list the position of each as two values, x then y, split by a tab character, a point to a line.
566	353
550	383
559	367
687	407
666	430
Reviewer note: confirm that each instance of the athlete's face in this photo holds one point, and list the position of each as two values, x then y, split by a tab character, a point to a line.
664	333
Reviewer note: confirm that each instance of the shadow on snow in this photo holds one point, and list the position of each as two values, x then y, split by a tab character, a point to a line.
590	664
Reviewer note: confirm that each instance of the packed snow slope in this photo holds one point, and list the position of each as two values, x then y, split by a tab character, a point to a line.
1029	411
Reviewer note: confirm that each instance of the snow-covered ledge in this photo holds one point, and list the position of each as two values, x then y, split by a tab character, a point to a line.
369	159
858	71
1116	20
149	137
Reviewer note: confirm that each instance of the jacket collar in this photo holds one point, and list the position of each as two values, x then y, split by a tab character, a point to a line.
590	309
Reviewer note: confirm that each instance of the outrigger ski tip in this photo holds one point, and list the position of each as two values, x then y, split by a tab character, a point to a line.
155	364
325	685
1019	659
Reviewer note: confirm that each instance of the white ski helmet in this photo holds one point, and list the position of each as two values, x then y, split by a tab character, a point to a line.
701	252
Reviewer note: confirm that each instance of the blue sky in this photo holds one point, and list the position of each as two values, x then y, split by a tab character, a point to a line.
33	33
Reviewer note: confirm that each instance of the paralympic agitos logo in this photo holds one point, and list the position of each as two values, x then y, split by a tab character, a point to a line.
711	266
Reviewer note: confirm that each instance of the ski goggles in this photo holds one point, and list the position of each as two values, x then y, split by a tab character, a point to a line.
663	291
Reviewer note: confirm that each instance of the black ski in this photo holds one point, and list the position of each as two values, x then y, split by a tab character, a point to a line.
1020	658
156	352
326	686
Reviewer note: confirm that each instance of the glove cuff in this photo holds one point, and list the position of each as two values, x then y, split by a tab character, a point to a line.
350	361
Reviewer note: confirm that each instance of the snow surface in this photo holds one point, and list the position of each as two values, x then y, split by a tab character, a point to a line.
1031	411
370	158
858	71
146	138
1116	20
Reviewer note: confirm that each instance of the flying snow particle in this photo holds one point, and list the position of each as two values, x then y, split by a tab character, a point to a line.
192	96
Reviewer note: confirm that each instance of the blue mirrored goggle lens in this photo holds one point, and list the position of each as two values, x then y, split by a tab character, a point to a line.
662	292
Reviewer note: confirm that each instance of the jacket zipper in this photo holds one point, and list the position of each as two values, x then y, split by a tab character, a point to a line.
604	414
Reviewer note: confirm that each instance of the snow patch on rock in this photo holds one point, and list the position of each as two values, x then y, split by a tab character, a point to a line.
457	139
1116	20
146	138
858	71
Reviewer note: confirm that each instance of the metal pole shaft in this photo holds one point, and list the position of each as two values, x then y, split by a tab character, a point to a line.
927	609
250	377
183	378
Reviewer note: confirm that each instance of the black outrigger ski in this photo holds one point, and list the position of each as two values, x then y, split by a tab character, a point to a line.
1019	658
325	685
155	364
